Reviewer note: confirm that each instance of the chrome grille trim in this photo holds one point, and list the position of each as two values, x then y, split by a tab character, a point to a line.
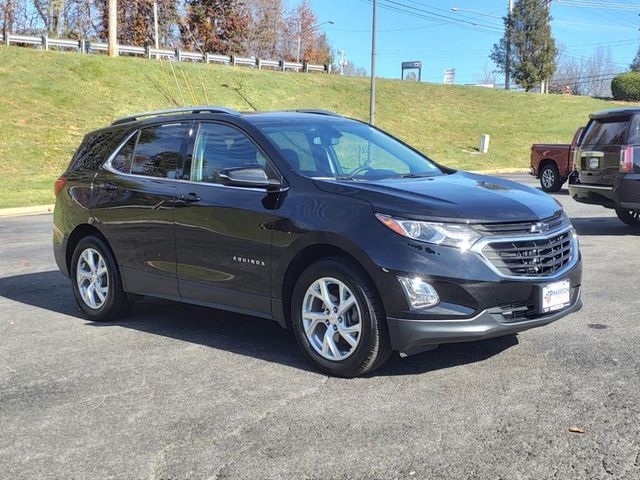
512	261
553	223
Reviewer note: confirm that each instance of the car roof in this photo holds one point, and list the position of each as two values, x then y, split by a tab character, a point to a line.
615	112
211	112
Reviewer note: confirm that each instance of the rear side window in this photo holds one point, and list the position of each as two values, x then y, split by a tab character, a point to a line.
159	150
123	159
606	132
95	149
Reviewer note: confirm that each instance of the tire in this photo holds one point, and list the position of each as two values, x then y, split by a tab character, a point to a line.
630	217
550	180
113	302
363	322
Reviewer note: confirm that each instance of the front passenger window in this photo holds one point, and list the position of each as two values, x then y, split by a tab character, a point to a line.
218	147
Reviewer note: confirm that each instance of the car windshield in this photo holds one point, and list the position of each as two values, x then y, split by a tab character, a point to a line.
347	150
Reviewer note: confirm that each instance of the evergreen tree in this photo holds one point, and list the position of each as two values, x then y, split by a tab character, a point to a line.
533	50
635	65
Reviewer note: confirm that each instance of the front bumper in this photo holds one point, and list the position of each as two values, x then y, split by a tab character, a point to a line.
410	336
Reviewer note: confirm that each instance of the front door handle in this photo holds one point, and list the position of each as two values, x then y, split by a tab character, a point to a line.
188	198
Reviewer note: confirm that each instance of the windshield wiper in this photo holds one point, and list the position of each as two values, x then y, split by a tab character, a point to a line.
411	175
347	178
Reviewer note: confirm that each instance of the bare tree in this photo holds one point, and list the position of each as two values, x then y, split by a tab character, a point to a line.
351	70
488	76
584	75
265	28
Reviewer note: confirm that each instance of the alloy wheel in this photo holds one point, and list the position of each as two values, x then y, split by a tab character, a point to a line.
331	319
548	178
92	277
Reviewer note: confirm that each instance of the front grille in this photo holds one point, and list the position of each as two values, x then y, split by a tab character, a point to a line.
518	311
555	222
541	257
524	310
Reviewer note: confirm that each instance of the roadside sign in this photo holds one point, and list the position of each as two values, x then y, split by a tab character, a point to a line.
415	65
450	76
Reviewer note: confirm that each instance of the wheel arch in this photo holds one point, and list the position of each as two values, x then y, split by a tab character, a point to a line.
306	257
79	232
546	161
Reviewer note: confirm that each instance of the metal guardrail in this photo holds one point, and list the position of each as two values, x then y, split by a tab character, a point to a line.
87	46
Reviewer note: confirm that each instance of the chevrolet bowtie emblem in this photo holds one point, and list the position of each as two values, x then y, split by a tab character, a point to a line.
540	227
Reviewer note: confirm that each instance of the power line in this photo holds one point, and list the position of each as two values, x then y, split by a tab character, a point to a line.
394	6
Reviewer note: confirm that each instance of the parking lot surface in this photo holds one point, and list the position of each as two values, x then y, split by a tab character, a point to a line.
177	391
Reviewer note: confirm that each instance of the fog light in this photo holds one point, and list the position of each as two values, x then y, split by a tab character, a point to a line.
419	293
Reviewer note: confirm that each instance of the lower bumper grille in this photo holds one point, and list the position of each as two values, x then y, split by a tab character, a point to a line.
527	310
539	257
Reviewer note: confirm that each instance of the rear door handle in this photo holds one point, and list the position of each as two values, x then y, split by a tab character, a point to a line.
108	186
188	198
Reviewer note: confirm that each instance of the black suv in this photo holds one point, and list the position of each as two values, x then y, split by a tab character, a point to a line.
357	242
608	164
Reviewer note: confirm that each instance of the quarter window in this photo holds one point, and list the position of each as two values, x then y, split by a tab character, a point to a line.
158	153
218	147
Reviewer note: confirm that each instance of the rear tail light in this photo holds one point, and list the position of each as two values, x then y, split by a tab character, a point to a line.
627	161
59	185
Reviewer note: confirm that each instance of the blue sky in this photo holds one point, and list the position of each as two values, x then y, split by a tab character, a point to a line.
440	44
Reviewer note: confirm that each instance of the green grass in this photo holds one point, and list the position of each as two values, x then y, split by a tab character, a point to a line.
49	100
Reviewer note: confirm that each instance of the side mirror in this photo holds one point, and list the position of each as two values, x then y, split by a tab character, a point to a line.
249	177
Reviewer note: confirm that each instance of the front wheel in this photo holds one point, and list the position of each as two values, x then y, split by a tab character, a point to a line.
96	281
338	319
550	180
630	217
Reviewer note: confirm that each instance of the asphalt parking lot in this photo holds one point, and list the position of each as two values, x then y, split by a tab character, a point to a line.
177	391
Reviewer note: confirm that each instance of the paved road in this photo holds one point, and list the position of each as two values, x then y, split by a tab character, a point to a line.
186	392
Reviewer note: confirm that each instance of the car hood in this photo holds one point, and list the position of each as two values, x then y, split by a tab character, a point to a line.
460	196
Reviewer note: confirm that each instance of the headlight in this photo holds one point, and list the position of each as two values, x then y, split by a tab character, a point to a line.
449	234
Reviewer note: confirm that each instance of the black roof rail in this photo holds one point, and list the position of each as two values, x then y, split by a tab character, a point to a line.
205	109
317	111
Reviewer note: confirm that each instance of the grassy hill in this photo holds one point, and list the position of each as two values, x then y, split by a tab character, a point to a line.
49	100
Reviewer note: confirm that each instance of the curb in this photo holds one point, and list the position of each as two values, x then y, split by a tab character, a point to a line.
501	171
21	211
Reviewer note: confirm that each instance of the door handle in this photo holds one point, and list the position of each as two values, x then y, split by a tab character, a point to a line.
188	198
108	186
592	154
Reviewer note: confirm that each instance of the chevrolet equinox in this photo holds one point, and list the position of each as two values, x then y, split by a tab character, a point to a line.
331	227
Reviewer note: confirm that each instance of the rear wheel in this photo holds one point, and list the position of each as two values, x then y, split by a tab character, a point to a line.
338	319
96	281
630	217
550	180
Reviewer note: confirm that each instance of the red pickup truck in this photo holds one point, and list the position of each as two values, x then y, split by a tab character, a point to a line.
552	164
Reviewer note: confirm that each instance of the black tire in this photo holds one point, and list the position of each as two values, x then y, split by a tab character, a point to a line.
550	179
373	348
630	217
116	302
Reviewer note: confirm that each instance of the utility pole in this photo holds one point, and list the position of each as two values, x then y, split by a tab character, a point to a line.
372	96
155	28
342	62
545	82
113	28
507	59
299	40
